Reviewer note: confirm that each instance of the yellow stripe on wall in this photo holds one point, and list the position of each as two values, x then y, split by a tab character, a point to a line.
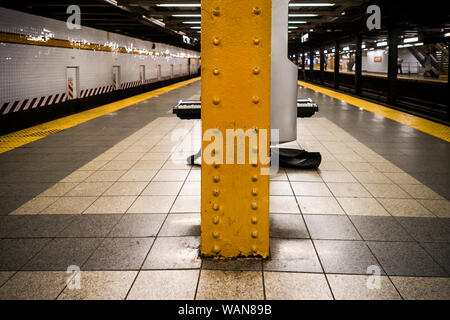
432	128
19	138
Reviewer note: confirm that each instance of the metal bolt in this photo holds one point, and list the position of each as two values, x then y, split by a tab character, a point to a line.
216	12
216	165
216	179
216	41
254	249
257	11
255	178
215	207
254	206
216	100
216	192
256	41
216	220
256	70
255	234
216	249
216	72
254	192
255	99
215	235
254	220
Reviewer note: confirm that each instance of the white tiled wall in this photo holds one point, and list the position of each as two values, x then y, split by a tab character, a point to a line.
28	71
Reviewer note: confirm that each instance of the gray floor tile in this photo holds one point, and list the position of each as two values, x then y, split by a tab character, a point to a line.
101	285
412	288
33	226
405	259
165	285
361	287
91	225
287	226
349	257
440	253
230	285
296	286
61	253
292	255
138	225
119	254
34	285
427	229
174	253
232	265
331	227
14	253
380	228
178	225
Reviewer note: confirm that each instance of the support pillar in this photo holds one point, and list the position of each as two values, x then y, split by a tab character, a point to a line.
392	66
336	64
311	64
236	76
322	64
358	65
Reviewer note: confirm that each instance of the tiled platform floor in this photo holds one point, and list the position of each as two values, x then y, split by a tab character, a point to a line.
130	220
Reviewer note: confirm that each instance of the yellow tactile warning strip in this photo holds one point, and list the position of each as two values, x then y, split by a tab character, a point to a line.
432	128
235	96
19	138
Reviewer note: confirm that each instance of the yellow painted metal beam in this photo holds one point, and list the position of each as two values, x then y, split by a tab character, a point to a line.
236	48
22	137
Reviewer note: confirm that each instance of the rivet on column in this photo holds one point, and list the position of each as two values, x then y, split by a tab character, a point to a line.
216	41
257	11
256	70
216	12
215	207
216	72
255	99
255	178
256	41
254	192
254	206
216	100
216	249
254	220
215	234
255	234
216	179
216	192
216	220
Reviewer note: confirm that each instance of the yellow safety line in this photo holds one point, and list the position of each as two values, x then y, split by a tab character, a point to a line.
432	128
19	138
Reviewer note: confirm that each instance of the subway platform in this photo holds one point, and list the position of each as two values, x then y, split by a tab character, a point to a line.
114	197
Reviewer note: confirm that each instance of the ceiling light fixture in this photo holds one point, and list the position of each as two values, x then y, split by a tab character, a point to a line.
179	5
323	4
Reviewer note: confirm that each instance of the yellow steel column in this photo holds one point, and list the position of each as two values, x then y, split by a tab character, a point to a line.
236	47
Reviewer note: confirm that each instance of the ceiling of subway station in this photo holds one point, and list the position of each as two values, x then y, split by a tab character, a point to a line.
168	21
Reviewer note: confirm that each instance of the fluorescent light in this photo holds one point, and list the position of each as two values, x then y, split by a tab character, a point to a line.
297	22
346	48
187	15
363	46
325	4
382	44
192	22
447	35
292	27
418	44
302	15
196	27
325	51
179	5
317	52
409	40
